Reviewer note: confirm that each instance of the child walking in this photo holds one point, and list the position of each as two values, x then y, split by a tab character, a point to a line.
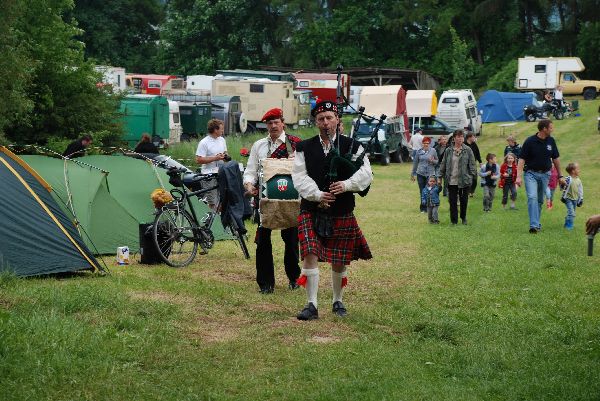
489	174
430	198
572	195
552	183
508	176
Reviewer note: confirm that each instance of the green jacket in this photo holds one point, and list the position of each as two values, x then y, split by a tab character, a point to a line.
467	167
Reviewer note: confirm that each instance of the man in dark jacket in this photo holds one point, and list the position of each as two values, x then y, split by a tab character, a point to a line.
328	230
471	142
77	148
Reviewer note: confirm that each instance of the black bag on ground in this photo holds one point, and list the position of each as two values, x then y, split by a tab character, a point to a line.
149	253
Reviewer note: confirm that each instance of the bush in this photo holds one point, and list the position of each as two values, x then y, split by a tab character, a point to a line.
504	80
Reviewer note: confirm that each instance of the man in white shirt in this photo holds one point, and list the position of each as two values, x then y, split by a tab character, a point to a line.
211	153
276	145
416	141
328	230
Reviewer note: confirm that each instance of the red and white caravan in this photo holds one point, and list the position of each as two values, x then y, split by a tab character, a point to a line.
152	84
323	86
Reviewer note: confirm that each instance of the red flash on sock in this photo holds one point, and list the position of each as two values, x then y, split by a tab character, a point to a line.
344	281
302	281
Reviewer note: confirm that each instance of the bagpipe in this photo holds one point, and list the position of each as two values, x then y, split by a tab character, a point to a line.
342	167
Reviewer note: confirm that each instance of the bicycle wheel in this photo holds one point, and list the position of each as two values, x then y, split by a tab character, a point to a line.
239	237
173	234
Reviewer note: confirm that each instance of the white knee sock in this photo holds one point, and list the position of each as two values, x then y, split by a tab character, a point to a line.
312	284
336	284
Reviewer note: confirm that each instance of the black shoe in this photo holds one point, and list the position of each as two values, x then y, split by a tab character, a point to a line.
293	285
266	290
533	230
339	309
464	221
308	313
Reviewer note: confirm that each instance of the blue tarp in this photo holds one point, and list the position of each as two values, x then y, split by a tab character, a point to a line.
504	106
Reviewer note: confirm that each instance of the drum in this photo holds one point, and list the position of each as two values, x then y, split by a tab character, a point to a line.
279	204
275	179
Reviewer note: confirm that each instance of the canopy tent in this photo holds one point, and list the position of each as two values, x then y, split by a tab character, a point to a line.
421	103
387	99
36	237
504	106
109	196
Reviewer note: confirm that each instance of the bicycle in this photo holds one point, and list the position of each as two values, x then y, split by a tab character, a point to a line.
177	232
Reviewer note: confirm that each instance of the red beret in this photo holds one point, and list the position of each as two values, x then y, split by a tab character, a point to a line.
273	114
427	140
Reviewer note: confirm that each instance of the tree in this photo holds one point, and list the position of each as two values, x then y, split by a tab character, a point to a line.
121	33
62	86
15	66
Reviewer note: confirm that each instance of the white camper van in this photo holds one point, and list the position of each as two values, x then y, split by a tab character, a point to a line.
458	108
543	73
199	84
175	129
353	100
113	76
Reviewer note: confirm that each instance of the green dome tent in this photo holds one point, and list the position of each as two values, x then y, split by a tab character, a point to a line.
36	237
109	196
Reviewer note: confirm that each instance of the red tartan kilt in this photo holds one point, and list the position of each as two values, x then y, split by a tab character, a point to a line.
347	243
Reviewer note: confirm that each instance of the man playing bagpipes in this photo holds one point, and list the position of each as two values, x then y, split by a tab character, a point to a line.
276	145
328	231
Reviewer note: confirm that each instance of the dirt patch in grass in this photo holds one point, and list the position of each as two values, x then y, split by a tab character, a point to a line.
238	276
5	304
212	330
161	296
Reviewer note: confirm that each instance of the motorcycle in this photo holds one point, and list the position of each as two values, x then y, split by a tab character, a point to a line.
532	112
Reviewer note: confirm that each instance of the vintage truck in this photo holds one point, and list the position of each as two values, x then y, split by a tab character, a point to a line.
546	73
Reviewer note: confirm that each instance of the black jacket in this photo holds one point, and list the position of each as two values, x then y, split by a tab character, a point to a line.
231	192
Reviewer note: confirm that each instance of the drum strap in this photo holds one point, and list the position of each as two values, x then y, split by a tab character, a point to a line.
288	146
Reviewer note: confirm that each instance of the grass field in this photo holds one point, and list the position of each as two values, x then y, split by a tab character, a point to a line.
479	312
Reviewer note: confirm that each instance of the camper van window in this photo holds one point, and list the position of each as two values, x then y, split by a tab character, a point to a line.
470	98
450	100
176	118
472	113
287	93
137	83
303	84
235	107
186	112
568	77
257	88
540	68
154	84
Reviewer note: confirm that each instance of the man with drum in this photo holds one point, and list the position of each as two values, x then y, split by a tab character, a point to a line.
328	230
278	145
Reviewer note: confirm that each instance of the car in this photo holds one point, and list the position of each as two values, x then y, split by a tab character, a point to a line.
432	127
388	146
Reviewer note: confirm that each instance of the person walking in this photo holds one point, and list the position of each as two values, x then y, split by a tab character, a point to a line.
277	144
572	195
489	173
328	230
538	153
471	142
440	147
508	175
458	169
424	162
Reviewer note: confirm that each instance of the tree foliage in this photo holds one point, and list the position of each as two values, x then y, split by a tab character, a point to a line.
58	88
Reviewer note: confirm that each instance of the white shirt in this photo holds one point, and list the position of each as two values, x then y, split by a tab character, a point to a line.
210	146
416	142
307	187
558	95
260	150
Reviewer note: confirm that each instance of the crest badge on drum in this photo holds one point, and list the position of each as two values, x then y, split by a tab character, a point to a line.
282	185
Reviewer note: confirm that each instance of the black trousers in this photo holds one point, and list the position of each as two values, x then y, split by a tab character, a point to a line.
422	181
454	195
265	269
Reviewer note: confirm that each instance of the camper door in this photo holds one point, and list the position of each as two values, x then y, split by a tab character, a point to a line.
551	74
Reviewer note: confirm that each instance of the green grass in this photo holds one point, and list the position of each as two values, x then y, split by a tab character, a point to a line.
483	312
